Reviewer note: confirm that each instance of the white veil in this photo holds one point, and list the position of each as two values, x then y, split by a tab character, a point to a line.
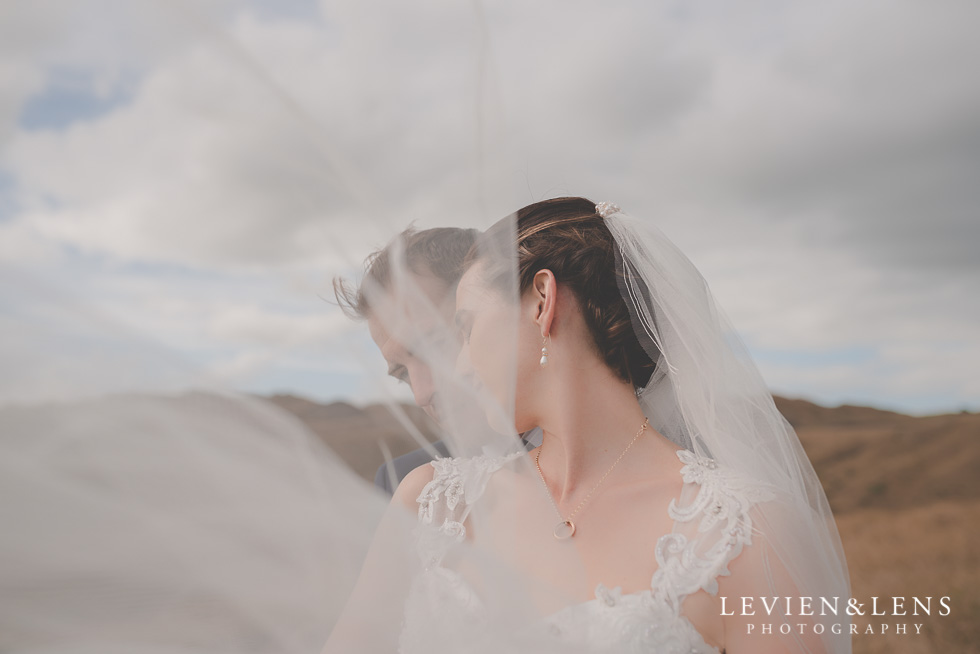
707	396
142	517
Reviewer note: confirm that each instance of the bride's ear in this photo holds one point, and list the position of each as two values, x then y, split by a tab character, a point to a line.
545	293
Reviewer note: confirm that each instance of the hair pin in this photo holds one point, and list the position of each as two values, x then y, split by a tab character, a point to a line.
606	209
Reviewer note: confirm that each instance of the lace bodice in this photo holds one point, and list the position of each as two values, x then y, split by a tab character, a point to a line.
712	524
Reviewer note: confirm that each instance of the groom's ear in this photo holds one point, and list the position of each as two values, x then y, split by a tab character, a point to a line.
545	290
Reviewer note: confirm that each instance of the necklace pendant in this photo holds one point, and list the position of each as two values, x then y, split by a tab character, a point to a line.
564	530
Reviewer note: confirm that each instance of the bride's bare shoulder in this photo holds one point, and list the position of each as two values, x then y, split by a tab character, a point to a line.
411	486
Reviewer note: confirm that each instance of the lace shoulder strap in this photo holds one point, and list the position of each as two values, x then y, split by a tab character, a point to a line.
712	523
445	501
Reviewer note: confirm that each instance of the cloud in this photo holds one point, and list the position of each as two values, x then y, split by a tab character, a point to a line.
817	162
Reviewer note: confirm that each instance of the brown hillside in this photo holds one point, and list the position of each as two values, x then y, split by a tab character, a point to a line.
801	413
871	458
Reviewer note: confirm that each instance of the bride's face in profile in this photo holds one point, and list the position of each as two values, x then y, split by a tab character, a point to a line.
500	345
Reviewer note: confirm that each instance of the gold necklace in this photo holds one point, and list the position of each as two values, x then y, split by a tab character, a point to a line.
565	527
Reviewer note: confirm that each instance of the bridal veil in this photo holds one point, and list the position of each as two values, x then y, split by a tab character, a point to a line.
163	512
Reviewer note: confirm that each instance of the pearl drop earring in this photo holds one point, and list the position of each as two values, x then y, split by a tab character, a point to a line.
544	351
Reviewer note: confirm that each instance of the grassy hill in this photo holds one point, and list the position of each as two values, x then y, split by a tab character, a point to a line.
871	458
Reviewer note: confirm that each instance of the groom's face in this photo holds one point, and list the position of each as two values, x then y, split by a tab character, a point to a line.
414	321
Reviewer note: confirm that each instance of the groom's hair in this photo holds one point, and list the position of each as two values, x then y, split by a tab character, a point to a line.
438	252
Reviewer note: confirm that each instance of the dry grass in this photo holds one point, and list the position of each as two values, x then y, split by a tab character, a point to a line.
926	551
906	494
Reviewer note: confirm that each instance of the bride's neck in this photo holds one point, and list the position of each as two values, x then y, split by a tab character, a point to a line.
588	417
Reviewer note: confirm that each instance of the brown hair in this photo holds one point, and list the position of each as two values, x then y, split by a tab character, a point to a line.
439	251
568	237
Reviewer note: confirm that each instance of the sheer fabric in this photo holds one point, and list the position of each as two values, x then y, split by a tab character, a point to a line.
203	522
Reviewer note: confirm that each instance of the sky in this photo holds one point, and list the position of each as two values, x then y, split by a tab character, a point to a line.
180	181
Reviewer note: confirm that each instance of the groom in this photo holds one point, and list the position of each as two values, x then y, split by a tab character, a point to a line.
435	259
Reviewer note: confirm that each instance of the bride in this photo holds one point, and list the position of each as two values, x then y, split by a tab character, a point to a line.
668	495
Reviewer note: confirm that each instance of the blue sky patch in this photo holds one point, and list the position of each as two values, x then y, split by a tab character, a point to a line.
72	96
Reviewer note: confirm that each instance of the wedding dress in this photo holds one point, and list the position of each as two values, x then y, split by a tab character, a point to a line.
712	524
